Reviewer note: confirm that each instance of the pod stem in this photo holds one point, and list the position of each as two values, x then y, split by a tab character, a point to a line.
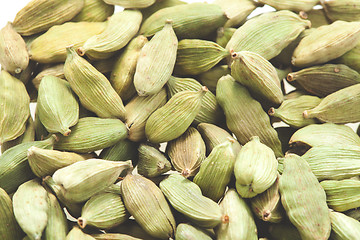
81	222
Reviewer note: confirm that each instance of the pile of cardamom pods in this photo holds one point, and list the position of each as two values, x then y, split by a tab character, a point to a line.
205	81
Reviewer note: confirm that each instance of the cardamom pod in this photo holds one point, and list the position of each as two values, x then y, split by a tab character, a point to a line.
187	152
346	10
121	28
211	77
131	3
152	163
185	196
93	88
94	11
172	120
147	12
15	107
121	151
284	231
297	5
77	234
156	61
57	225
344	227
31	207
57	106
223	35
186	231
147	204
317	17
351	57
11	42
301	197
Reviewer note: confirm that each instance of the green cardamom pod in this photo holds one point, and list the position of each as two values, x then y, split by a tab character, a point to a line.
301	197
326	43
121	28
114	236
131	3
317	17
216	171
56	70
284	231
351	57
14	165
172	120
152	163
185	196
57	106
346	10
104	211
39	15
31	207
147	204
130	228
345	99
51	48
187	152
195	56
138	110
244	115
326	79
57	225
344	227
195	20
123	72
237	220
147	12
258	75
268	33
93	88
121	151
186	231
14	57
224	35
210	111
211	77
292	5
77	234
94	11
92	134
15	107
156	61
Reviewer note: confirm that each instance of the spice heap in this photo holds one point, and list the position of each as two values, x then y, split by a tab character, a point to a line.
203	78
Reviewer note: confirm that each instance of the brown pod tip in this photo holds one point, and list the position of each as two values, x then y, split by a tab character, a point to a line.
18	70
225	219
67	132
204	89
266	215
81	222
185	173
230	139
290	77
306	114
81	51
271	111
233	54
169	21
303	15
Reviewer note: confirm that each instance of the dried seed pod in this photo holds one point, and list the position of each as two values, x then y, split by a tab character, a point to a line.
325	134
334	162
146	203
187	152
121	28
343	227
261	165
156	61
267	205
317	17
130	228
58	108
77	234
122	75
216	171
40	130
44	162
301	197
236	10
14	57
214	135
344	99
351	58
224	35
210	111
138	110
30	203
237	220
81	180
39	15
56	70
14	167
121	151
268	33
93	88
342	195
195	20
9	228
104	211
131	3
92	134
346	10
326	43
15	107
152	163
147	12
292	5
291	111
283	231
195	56
186	231
211	77
94	11
185	196
57	226
258	75
114	236
172	120
50	48
244	115
326	79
